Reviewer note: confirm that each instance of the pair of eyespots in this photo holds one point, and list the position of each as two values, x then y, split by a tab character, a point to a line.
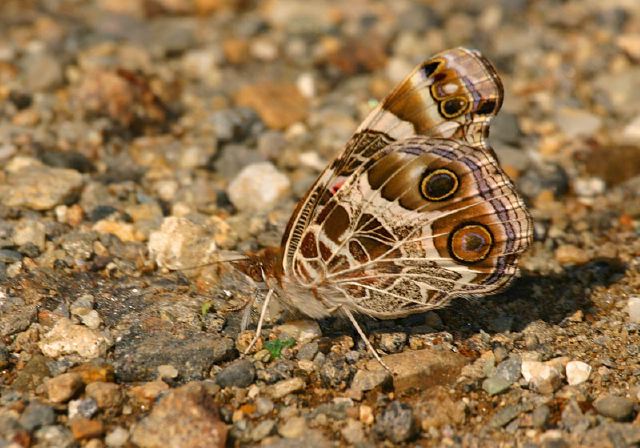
469	242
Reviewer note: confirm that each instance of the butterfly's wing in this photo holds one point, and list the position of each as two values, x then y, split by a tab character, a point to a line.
377	231
422	104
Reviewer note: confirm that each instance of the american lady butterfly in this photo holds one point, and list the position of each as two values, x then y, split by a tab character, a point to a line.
415	211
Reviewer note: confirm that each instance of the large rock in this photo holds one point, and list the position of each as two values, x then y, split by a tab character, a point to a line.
421	369
185	417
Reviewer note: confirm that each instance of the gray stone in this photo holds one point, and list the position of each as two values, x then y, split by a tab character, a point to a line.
307	351
495	385
573	419
241	373
510	368
84	407
10	256
612	435
617	408
336	371
540	416
397	423
508	413
37	415
235	125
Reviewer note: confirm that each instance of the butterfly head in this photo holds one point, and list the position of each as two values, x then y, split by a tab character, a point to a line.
262	266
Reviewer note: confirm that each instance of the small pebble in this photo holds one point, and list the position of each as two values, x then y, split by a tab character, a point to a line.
293	428
116	437
63	387
540	416
495	385
633	308
307	351
392	342
258	187
240	373
397	423
577	372
543	377
84	408
106	395
286	387
262	430
37	415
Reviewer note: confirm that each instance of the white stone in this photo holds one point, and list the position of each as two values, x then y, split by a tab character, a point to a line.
181	243
65	338
117	437
577	372
286	387
306	85
544	377
302	331
258	187
633	307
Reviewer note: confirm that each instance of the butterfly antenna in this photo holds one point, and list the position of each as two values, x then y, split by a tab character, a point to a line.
225	257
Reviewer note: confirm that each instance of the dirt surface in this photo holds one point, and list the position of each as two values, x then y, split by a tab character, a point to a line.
141	139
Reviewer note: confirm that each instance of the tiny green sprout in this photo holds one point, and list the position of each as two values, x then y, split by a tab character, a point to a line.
276	346
204	309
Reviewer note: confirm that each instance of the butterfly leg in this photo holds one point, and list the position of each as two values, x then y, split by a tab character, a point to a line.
353	320
263	312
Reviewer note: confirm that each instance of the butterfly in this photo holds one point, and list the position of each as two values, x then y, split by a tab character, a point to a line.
414	212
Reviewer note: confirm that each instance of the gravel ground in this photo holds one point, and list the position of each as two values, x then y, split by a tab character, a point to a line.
139	138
